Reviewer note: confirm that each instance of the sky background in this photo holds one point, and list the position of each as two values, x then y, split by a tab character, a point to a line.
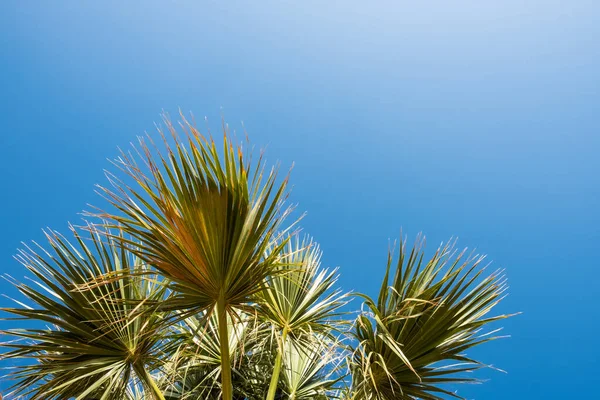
465	118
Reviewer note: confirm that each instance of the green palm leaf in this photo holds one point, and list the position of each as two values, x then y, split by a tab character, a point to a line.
91	347
413	338
300	302
301	299
311	368
203	220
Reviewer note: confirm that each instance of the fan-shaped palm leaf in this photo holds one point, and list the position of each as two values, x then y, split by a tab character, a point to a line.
204	221
91	348
423	321
299	302
310	368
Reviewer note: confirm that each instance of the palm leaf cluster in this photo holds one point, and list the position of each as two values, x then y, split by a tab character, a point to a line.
89	347
196	365
412	339
193	284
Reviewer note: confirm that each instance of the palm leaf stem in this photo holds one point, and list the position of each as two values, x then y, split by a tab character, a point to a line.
143	373
277	368
226	382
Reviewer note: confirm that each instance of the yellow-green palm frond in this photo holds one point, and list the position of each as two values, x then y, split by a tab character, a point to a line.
301	299
413	338
91	348
311	368
204	219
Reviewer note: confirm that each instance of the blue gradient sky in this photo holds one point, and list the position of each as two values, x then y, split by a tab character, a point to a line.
452	118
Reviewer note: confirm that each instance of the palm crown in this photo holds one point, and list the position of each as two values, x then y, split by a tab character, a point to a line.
192	286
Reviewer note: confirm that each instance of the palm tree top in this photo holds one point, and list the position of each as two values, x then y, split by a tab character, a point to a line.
204	217
192	285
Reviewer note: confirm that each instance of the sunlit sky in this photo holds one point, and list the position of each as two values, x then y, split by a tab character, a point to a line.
472	119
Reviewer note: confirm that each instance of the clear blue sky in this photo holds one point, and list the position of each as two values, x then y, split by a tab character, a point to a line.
456	118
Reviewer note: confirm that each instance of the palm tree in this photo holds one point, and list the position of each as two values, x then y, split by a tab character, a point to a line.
192	286
204	221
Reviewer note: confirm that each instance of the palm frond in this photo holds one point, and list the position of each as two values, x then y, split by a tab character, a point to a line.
412	340
300	302
203	220
311	368
90	347
302	298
